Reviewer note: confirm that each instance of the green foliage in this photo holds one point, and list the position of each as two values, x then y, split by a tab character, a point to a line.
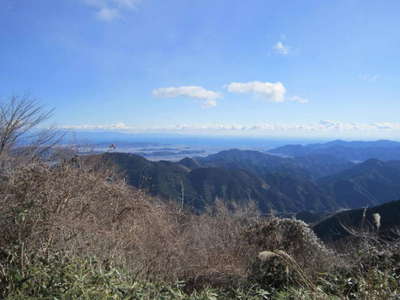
303	294
62	277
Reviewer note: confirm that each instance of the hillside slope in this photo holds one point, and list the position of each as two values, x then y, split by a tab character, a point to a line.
312	166
283	184
333	227
203	184
370	183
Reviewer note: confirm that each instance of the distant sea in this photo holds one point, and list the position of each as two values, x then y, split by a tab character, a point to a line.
169	146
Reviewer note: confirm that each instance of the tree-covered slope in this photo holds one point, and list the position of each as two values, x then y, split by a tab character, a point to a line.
367	184
283	184
310	166
197	184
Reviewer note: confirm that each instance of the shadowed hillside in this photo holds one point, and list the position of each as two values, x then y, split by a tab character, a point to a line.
310	166
367	184
335	227
283	184
196	183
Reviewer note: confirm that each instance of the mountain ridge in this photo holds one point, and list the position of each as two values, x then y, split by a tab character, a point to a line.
314	182
349	150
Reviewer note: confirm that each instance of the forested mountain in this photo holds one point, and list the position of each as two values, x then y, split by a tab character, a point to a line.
351	151
350	185
370	183
321	165
311	166
201	184
314	182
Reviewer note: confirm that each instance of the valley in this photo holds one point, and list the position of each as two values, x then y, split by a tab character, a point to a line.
315	181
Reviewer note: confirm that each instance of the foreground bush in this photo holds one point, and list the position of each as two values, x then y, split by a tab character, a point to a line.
61	278
82	210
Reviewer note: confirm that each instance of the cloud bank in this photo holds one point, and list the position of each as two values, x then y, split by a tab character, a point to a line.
326	128
208	98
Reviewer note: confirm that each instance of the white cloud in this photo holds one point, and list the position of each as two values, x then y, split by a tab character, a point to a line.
281	48
386	125
108	10
209	103
207	97
107	14
370	77
270	91
298	99
127	3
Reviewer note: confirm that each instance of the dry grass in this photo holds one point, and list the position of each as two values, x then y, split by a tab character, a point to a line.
84	210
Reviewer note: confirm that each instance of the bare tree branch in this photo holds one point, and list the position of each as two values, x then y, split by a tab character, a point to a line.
19	121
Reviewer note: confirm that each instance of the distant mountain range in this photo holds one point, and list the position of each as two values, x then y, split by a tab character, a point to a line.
351	151
316	179
310	166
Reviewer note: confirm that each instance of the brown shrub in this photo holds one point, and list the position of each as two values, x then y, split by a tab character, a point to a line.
290	235
82	209
289	253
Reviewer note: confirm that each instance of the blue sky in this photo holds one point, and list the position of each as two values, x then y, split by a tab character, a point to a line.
299	68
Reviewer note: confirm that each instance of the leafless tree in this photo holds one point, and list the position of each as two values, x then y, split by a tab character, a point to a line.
19	121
